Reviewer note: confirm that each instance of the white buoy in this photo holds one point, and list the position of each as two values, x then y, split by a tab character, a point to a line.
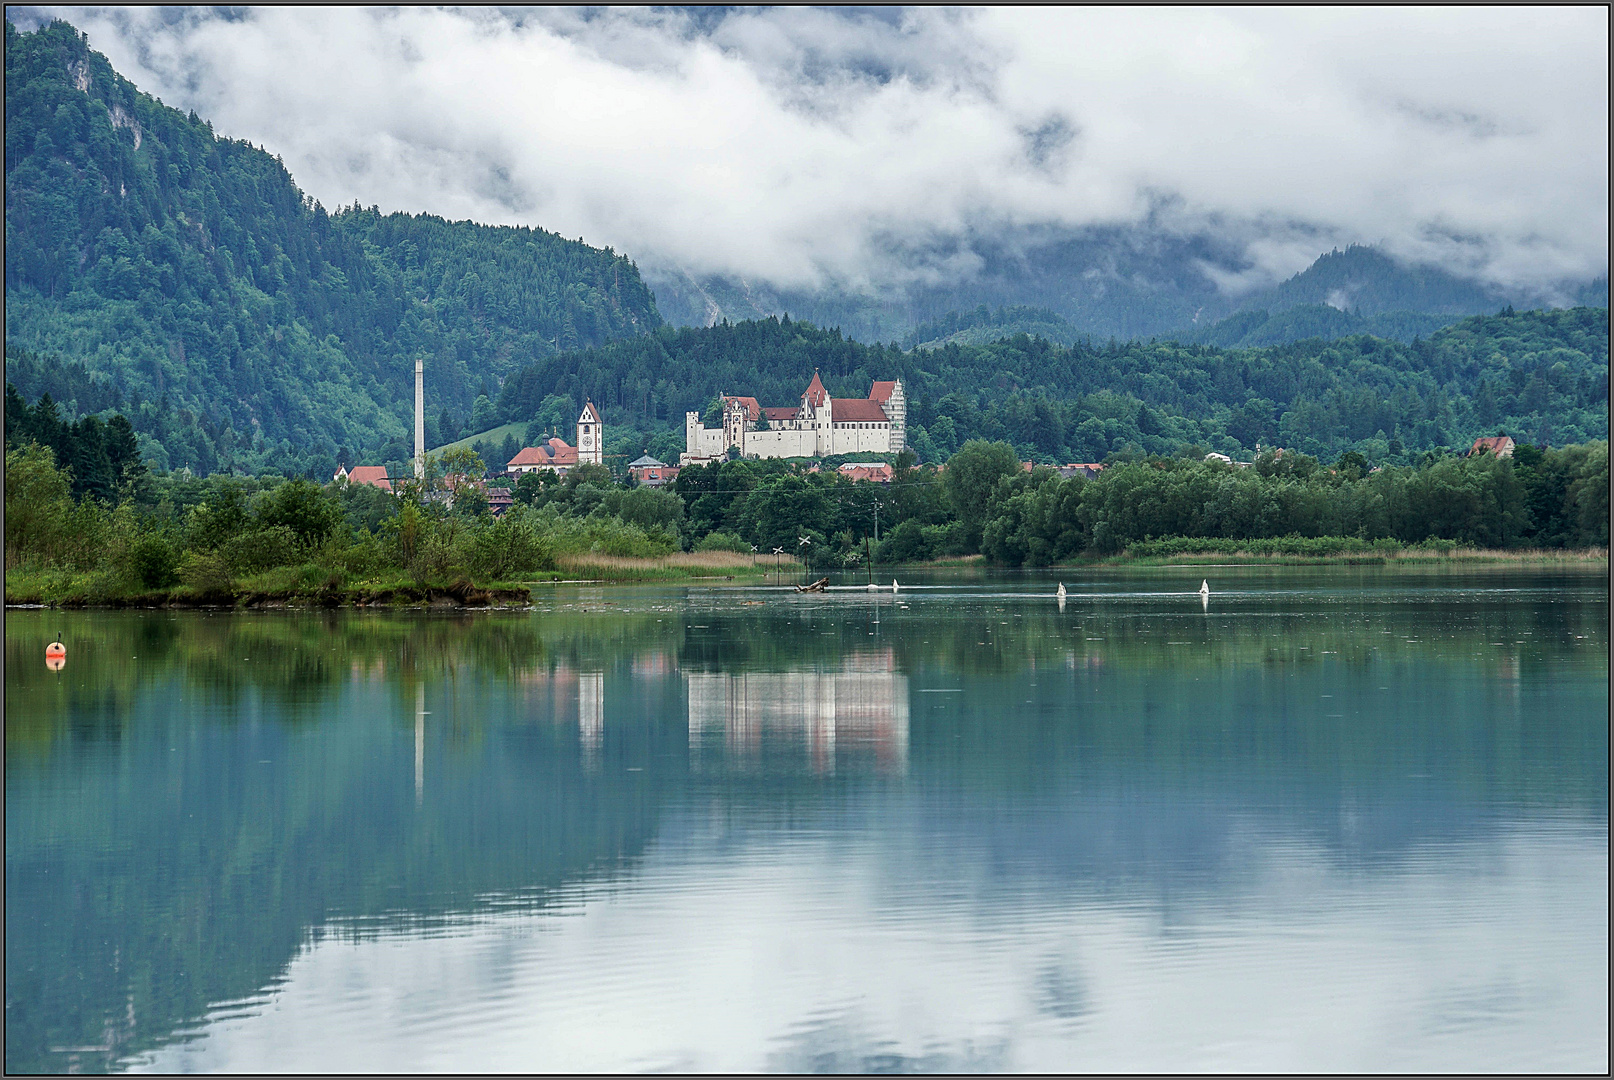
1061	592
1204	588
872	586
893	584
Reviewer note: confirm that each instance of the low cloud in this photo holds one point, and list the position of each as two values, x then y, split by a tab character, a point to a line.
805	147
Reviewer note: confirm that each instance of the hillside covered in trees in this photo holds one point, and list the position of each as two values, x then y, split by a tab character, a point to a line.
1542	376
237	322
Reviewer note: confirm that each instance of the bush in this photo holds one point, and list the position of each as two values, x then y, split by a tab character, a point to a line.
303	507
260	550
906	543
205	571
511	545
365	557
723	541
154	562
37	505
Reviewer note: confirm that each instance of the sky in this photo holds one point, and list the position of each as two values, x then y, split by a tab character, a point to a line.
814	149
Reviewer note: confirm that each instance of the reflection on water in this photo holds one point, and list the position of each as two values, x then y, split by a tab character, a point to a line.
1339	820
814	713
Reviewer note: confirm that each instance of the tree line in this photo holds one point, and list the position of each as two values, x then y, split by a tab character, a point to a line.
214	536
1540	375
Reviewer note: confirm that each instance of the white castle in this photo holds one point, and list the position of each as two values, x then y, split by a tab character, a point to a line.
820	426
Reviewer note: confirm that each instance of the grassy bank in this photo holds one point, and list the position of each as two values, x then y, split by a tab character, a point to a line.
679	566
1323	550
287	586
317	586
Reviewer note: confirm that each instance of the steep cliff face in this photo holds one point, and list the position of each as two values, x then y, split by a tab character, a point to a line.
180	265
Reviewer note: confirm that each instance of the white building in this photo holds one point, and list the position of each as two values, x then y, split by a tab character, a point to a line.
820	426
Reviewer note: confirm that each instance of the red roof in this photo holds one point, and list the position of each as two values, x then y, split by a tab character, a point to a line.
591	415
752	410
1500	445
553	451
530	455
816	395
856	409
374	475
877	471
787	412
881	391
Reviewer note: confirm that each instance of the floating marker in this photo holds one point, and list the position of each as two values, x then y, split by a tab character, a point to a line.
56	654
893	584
1204	588
1061	591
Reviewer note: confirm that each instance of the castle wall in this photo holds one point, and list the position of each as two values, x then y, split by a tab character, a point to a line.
778	443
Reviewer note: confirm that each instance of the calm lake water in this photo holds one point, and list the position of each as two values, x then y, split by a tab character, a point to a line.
1331	819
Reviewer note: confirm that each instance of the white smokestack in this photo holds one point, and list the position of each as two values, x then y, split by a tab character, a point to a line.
420	421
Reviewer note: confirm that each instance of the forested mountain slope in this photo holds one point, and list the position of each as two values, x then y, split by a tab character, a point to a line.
235	317
1540	375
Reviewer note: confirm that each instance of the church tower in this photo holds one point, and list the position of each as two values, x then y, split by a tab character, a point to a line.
590	437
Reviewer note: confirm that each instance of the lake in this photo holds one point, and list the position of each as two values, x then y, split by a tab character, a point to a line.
1324	819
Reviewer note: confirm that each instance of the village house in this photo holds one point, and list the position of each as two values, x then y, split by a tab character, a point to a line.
819	426
875	471
554	453
1500	445
373	475
652	473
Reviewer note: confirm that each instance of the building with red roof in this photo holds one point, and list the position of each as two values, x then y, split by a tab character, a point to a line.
553	453
877	472
818	426
373	475
1500	445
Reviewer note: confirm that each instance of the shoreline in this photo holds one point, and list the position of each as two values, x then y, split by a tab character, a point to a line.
708	568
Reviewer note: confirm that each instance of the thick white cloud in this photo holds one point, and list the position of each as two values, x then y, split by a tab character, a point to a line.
800	146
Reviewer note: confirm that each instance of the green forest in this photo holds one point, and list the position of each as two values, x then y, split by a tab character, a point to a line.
239	324
1540	375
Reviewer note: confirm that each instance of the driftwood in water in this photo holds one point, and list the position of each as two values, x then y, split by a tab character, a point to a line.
818	586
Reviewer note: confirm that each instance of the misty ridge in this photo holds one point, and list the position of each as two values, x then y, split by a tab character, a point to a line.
161	269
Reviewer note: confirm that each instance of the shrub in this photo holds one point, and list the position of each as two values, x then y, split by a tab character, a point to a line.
513	544
37	505
261	549
303	507
153	561
205	571
723	541
905	544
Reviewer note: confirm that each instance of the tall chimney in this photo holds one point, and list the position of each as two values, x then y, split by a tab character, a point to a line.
420	421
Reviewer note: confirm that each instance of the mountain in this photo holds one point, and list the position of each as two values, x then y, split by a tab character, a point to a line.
1540	375
1136	282
185	273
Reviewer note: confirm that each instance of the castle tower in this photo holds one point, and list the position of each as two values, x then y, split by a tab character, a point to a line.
420	420
590	437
